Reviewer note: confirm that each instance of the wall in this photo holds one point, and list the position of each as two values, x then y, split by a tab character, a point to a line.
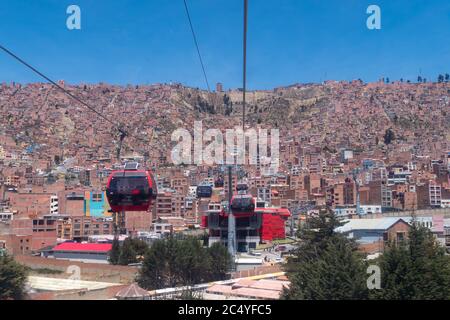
424	212
17	244
100	294
256	271
89	271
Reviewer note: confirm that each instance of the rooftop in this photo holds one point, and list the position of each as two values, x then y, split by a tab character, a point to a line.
133	291
58	284
91	247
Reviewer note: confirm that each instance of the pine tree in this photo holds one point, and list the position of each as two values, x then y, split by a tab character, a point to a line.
182	262
326	264
127	253
417	269
13	277
115	252
140	247
220	262
159	269
395	266
193	262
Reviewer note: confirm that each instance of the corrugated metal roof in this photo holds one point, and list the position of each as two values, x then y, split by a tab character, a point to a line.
377	223
368	224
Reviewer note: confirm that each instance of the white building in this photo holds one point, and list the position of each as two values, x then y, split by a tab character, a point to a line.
370	209
445	203
264	194
54	206
386	197
6	216
435	194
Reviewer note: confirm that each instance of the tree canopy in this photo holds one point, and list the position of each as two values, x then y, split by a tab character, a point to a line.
129	252
326	265
180	262
415	269
13	277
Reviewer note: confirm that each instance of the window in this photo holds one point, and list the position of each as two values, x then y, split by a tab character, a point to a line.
400	236
96	197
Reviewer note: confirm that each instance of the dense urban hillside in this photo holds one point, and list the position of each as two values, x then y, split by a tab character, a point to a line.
45	122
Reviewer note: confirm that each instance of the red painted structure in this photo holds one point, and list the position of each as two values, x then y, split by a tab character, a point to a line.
83	247
261	225
273	223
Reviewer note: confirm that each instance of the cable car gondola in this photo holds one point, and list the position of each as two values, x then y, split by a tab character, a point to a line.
242	203
130	189
241	187
204	191
218	183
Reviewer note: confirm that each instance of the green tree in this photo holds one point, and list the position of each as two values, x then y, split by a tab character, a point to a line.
139	246
13	277
193	262
114	254
159	269
220	261
127	253
182	262
415	269
326	265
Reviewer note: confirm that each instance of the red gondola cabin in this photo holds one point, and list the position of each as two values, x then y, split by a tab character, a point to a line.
242	203
130	190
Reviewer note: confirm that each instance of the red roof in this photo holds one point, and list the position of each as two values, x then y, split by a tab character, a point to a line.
92	247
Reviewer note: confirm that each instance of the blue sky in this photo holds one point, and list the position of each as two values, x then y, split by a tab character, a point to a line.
289	41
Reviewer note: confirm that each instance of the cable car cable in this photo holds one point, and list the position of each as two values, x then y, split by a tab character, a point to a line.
123	133
244	79
54	83
196	45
